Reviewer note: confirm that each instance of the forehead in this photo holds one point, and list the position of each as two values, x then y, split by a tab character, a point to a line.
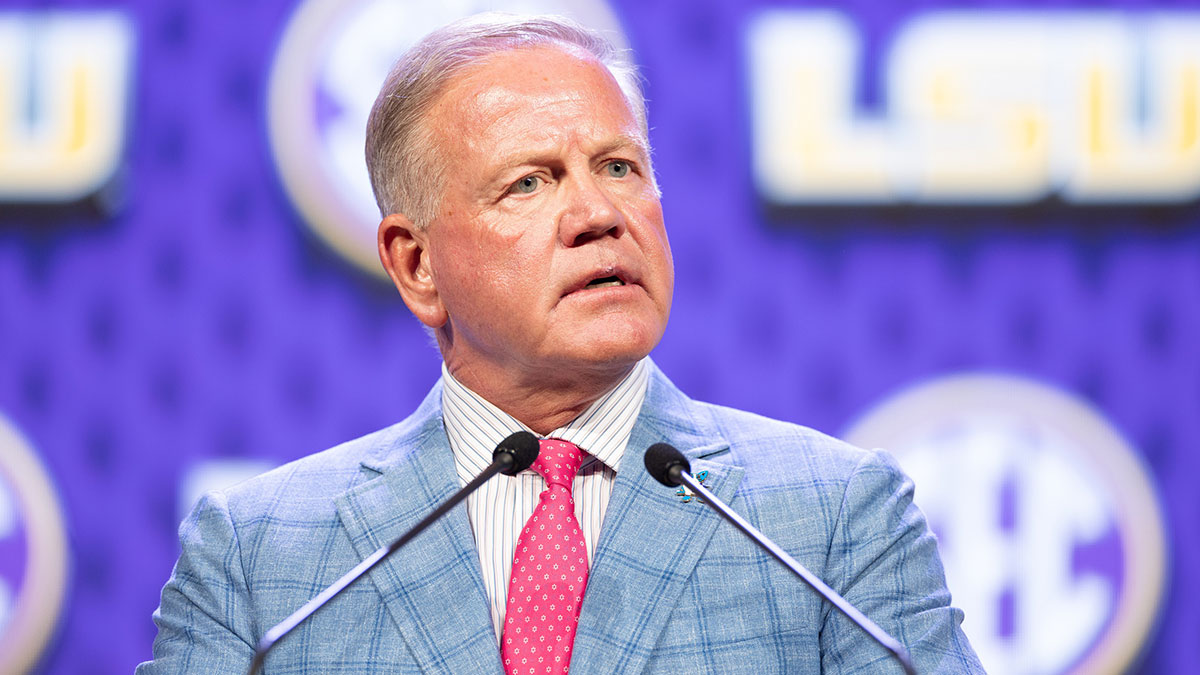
529	90
531	70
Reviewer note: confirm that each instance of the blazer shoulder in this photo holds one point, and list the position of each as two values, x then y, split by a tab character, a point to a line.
741	426
308	486
766	448
755	439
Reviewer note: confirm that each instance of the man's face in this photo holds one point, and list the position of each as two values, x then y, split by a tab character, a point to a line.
548	251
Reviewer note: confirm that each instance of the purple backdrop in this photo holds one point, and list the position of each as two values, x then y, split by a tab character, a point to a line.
202	319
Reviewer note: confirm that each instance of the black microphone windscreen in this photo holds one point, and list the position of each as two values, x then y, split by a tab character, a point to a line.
523	446
661	458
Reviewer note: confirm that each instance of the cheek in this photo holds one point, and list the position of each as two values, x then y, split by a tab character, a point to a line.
497	270
659	243
459	272
666	250
661	259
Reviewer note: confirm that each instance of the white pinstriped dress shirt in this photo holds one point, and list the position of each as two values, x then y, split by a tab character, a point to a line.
498	510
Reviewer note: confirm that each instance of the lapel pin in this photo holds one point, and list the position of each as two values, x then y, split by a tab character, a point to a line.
686	493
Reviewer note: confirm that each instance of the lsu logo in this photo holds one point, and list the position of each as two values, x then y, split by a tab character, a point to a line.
330	64
980	107
33	554
64	87
1047	522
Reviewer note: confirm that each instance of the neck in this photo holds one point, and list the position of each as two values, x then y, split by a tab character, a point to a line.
543	402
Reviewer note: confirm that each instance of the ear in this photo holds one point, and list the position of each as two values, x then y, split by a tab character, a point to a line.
404	252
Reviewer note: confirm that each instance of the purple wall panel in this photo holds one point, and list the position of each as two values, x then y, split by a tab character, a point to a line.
203	319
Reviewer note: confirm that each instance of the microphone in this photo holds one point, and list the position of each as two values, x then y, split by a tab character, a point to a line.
512	456
669	467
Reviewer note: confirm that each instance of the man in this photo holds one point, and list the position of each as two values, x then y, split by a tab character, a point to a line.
522	225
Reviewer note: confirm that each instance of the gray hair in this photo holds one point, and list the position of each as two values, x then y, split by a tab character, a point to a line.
401	158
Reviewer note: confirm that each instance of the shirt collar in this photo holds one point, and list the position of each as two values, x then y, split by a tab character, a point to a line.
474	426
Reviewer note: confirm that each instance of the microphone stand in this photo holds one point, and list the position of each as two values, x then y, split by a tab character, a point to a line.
678	473
509	461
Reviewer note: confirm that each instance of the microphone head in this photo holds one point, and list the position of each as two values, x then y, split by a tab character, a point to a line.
661	458
522	447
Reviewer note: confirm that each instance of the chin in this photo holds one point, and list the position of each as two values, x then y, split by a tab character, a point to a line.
619	342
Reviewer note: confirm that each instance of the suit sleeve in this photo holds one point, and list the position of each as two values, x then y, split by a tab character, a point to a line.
203	618
884	559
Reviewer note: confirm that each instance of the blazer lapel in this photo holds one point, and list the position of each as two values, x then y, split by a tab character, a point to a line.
651	539
432	587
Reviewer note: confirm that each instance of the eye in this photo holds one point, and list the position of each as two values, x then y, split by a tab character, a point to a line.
618	169
526	185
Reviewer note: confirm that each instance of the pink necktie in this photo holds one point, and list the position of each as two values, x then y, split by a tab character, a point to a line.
549	572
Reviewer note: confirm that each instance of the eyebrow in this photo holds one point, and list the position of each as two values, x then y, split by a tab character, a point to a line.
624	140
621	141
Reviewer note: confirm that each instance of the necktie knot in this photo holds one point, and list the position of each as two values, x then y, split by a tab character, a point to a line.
558	461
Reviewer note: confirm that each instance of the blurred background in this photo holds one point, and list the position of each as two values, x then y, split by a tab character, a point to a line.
963	231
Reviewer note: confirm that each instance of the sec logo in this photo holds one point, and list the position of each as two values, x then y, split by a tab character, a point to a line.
331	61
33	554
1047	522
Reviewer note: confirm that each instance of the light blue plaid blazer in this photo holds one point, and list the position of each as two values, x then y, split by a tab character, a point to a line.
672	588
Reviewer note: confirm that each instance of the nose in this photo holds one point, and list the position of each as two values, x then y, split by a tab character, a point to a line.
590	214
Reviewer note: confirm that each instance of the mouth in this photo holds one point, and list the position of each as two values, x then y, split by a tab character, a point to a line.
611	276
604	282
